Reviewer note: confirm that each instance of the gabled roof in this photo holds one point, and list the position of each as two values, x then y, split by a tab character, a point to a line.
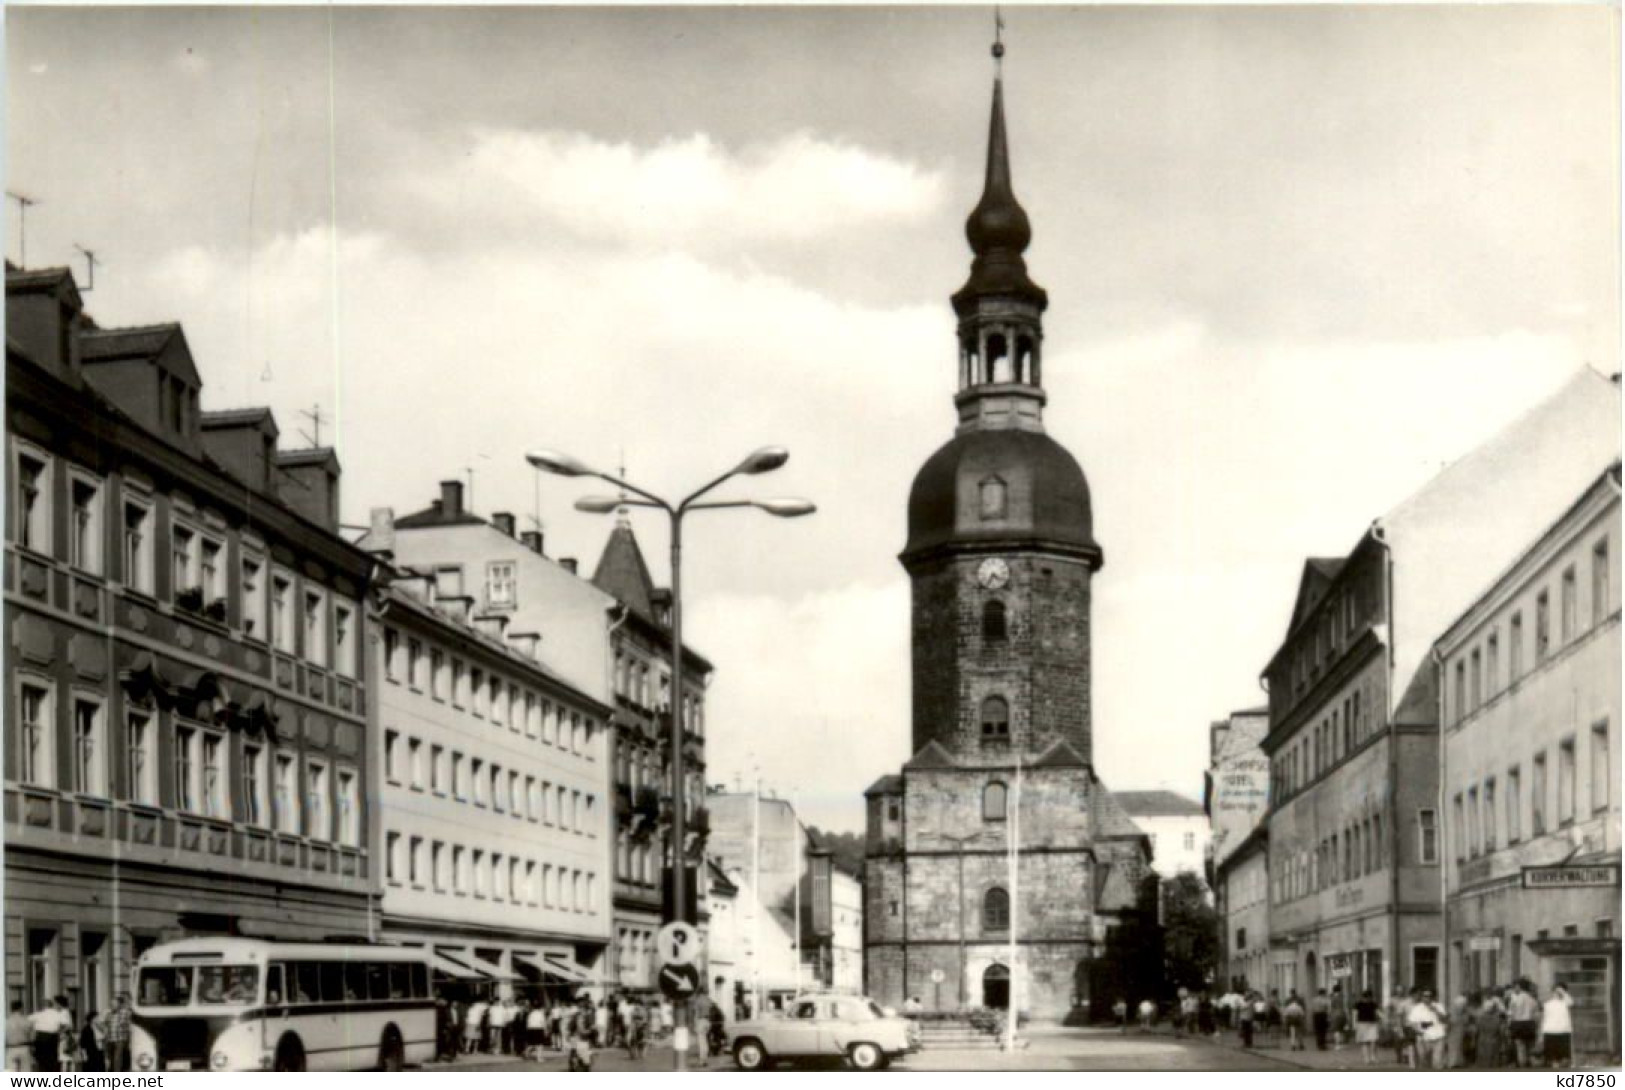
53	277
231	418
1060	755
931	755
310	456
1318	574
1157	804
1419	707
433	516
165	341
1110	819
886	785
622	572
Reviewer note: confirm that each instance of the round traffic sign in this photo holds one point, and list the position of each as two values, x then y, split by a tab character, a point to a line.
678	943
938	976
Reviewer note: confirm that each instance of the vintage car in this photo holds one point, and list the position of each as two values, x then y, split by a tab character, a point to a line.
815	1026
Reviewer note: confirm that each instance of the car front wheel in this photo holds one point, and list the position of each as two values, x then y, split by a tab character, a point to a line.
866	1057
749	1055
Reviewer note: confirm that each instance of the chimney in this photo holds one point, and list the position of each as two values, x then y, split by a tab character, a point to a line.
381	531
492	624
533	541
451	499
525	643
568	563
503	520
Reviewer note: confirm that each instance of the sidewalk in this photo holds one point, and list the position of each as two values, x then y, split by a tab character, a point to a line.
1348	1058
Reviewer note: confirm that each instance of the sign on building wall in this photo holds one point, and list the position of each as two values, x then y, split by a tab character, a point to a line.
1241	795
1561	877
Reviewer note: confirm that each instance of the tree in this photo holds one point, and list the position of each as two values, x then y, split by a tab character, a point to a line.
847	848
1190	933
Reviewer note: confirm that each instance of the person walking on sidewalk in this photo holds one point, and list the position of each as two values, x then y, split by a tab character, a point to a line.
1246	1023
1398	1013
1293	1015
1557	1028
118	1033
1455	1039
1523	1017
1429	1022
1320	1015
1367	1027
1120	1012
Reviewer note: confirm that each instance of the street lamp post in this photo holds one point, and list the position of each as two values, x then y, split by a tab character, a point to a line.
959	843
763	460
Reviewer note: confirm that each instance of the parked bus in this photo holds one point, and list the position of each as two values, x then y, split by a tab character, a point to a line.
238	1004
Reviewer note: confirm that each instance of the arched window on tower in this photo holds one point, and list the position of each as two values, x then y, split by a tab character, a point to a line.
995	910
995	498
1025	361
998	358
995	719
993	629
993	801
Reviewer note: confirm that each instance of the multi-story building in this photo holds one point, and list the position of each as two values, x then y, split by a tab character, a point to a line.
494	817
641	645
760	843
997	863
1236	798
1354	839
1529	693
831	924
186	698
1176	826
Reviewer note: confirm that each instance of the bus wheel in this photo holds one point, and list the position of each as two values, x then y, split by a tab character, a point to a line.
290	1055
391	1053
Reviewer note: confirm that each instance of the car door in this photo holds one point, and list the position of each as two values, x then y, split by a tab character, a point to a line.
799	1031
844	1025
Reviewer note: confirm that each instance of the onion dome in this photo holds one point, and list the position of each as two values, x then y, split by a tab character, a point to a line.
998	229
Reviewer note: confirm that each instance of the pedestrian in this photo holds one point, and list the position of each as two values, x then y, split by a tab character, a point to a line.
1247	1015
46	1025
601	1023
535	1030
1320	1016
1148	1015
583	1024
474	1025
1455	1037
702	1024
1429	1023
1293	1016
1489	1036
1523	1021
1272	1017
1340	1017
502	1012
1366	1027
67	1038
92	1043
18	1036
1557	1028
118	1033
1399	1027
1205	1024
1120	1012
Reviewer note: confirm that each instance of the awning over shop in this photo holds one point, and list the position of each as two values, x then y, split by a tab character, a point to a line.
491	968
447	965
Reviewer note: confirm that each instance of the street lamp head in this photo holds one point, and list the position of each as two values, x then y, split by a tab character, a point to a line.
553	461
764	460
598	505
786	507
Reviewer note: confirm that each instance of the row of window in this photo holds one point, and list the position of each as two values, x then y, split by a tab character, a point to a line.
1356	851
407	762
1337	623
995	910
1478	672
501	583
485	695
632	682
1340	732
214	774
460	871
638	862
298	610
1474	811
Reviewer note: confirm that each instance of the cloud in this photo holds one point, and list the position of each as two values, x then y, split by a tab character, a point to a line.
684	193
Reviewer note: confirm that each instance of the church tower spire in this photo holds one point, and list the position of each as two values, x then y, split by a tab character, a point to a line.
1000	308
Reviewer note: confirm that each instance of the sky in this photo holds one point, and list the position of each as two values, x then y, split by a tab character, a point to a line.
1298	260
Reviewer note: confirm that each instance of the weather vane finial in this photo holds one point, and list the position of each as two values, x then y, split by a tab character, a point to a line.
998	37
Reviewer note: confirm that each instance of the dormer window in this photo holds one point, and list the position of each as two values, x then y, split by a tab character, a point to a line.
501	584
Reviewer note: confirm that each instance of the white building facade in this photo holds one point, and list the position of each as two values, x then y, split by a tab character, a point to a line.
1178	828
1530	700
495	820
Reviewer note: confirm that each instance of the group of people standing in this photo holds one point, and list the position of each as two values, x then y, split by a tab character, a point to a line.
50	1040
1488	1028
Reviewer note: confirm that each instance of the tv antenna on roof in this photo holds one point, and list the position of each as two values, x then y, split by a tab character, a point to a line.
90	269
316	417
24	203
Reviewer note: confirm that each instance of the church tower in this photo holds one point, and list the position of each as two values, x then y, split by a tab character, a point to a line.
1000	553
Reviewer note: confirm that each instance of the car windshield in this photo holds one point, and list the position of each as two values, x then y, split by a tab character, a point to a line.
874	1010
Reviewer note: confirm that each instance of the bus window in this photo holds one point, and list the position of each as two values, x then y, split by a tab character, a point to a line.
166	986
273	985
420	980
306	982
377	981
400	980
355	981
332	981
222	984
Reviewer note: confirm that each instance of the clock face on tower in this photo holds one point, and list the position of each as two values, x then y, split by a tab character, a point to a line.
993	573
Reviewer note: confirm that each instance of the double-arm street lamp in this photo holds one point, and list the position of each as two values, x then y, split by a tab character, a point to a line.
761	461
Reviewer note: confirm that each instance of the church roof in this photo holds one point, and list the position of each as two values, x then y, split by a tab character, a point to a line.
998	229
886	785
931	755
623	573
1060	755
1110	818
1157	804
